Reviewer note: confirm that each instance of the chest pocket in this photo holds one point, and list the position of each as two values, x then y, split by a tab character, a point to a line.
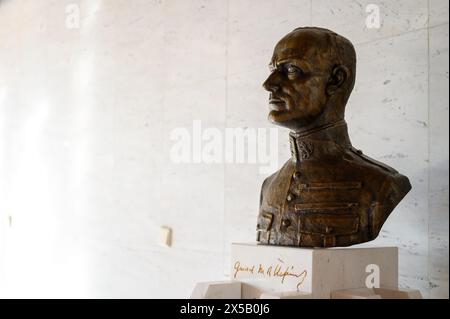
328	219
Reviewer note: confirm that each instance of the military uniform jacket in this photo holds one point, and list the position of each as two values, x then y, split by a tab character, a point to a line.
328	194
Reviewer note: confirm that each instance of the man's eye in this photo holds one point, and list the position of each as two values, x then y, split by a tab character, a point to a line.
293	70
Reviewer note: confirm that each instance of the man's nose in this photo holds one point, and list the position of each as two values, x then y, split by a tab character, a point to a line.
272	82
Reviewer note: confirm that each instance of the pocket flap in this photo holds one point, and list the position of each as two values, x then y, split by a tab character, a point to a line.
319	207
329	224
330	186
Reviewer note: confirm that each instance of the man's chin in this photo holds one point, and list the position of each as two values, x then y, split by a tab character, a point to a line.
279	116
286	119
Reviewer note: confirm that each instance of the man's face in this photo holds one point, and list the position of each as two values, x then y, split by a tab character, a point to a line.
300	69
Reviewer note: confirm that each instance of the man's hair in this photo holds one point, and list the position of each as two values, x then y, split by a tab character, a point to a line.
342	49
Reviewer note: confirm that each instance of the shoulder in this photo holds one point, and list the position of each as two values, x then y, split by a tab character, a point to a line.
282	173
371	163
390	182
386	184
278	178
394	188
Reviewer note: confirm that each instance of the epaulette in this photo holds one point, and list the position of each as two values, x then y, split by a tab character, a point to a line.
372	161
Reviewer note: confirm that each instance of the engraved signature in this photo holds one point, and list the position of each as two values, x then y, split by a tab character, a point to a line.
277	270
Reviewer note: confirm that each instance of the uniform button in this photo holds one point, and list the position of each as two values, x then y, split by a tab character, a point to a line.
289	197
297	175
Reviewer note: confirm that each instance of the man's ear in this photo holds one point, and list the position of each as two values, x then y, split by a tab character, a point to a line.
338	76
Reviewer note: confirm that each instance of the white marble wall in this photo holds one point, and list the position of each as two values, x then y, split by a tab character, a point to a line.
86	114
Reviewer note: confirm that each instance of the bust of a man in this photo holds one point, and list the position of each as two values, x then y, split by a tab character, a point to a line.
328	193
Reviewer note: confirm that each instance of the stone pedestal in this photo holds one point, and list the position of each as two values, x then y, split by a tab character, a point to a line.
314	271
297	273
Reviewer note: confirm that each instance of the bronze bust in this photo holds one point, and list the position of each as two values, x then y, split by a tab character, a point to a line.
328	193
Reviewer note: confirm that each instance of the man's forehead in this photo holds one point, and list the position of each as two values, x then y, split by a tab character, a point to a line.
288	53
279	56
299	45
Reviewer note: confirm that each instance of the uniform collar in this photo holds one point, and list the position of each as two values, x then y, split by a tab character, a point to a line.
321	142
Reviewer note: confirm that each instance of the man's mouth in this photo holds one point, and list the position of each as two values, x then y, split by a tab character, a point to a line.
277	104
